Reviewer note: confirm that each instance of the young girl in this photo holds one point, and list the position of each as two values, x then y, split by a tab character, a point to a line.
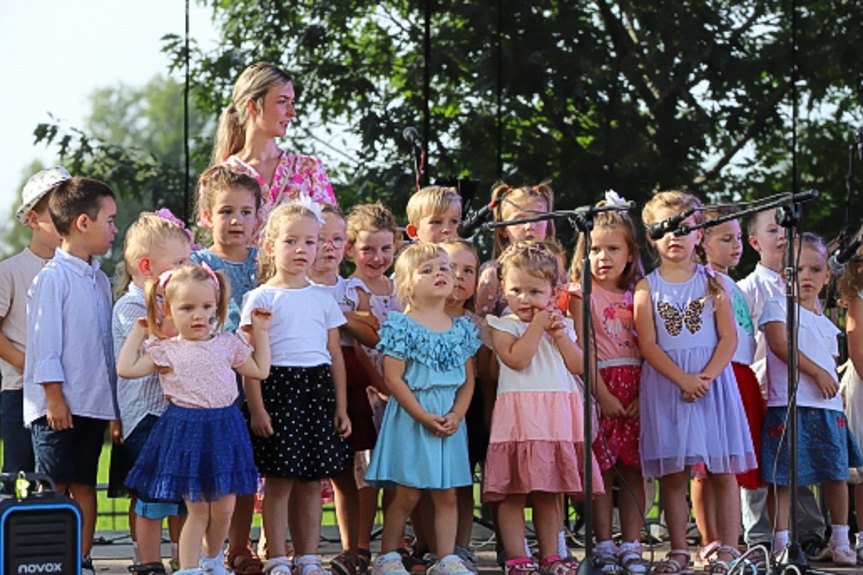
527	455
851	295
615	266
689	405
353	299
199	449
428	368
154	244
297	415
721	247
261	109
512	204
827	448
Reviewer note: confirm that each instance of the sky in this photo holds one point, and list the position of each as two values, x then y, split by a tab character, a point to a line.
57	52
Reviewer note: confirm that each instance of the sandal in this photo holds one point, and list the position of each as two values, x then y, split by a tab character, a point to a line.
842	553
412	563
278	565
630	560
345	563
557	565
308	565
242	561
669	566
154	568
364	561
702	556
521	566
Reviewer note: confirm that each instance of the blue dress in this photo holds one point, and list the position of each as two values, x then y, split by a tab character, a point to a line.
406	453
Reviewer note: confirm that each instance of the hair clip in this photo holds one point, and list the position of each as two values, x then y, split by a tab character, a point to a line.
164	277
210	273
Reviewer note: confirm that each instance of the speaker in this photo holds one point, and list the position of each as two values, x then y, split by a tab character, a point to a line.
40	530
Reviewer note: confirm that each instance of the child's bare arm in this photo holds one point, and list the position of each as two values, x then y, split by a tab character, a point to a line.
394	371
777	341
258	364
854	332
340	383
10	353
259	419
726	328
130	365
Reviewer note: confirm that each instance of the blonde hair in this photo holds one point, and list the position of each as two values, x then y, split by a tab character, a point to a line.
253	84
270	233
539	259
371	218
185	274
711	213
618	221
432	201
679	201
142	238
216	179
468	247
503	195
408	261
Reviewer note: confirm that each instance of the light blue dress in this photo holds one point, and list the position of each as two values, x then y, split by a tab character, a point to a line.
406	452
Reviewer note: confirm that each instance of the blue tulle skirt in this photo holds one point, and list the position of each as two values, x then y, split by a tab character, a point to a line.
196	454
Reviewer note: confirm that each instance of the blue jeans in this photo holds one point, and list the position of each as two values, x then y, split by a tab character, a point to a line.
17	444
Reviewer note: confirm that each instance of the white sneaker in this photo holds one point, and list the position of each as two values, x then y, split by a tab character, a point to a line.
388	564
450	565
468	558
214	565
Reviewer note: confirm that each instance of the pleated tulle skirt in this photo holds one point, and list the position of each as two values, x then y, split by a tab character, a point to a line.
196	454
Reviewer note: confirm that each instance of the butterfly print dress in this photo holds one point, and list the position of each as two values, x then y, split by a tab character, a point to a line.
675	433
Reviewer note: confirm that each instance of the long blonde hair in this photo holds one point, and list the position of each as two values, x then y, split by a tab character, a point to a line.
143	237
184	274
505	195
253	84
270	233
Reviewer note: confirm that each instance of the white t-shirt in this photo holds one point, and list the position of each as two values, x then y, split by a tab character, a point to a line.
302	318
816	339
345	294
758	287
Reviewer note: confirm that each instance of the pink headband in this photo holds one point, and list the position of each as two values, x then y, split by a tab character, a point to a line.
165	277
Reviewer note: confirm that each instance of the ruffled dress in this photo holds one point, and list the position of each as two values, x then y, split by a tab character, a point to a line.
406	452
537	431
676	433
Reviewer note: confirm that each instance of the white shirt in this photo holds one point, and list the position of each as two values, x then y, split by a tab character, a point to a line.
345	294
16	275
758	287
69	339
816	339
301	322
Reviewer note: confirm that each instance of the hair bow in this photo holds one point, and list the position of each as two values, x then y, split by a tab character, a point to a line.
612	198
308	203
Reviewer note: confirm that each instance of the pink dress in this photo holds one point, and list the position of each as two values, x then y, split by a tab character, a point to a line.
537	440
619	364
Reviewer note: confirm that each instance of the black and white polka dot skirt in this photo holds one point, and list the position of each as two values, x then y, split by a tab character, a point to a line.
301	403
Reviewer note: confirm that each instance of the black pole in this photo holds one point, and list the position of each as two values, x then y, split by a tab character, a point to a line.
499	108
187	175
426	91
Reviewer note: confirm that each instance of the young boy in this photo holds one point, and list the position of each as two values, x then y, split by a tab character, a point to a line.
16	275
768	238
433	215
69	370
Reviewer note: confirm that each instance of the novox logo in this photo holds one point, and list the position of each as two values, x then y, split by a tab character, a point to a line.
40	568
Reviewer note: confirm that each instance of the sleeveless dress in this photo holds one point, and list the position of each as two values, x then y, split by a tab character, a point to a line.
713	429
406	452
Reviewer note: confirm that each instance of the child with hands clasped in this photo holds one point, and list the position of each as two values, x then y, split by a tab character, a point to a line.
530	456
429	373
690	408
199	449
298	415
615	267
827	448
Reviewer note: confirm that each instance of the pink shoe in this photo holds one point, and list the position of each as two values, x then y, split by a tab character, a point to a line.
842	553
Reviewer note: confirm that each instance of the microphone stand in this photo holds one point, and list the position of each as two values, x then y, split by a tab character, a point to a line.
788	216
582	219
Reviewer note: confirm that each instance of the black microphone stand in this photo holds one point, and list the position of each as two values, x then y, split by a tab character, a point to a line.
582	219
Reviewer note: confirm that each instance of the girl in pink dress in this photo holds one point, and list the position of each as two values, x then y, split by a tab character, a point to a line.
536	426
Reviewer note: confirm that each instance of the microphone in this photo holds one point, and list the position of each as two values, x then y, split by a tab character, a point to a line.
467	228
842	256
412	136
657	230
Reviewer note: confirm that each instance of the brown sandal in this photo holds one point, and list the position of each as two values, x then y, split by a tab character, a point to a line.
243	562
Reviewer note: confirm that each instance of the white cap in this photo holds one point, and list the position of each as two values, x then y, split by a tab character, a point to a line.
37	186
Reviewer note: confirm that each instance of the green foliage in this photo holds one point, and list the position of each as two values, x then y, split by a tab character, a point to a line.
15	236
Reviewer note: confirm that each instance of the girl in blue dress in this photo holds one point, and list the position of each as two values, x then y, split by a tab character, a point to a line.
429	374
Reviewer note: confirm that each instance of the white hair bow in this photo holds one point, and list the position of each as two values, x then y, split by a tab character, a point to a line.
310	204
612	198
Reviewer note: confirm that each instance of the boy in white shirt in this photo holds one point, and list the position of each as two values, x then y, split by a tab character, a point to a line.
69	371
16	275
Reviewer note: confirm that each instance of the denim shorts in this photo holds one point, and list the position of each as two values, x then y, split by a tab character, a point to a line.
17	445
71	455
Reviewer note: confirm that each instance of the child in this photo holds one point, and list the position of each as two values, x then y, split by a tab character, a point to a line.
199	449
851	295
69	375
298	414
353	299
261	109
615	266
528	456
16	275
512	204
433	215
721	247
429	373
689	404
154	244
827	448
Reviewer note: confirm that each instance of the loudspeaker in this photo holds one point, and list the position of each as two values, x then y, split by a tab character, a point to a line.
40	530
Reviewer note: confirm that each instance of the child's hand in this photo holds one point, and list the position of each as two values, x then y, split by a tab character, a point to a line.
610	406
141	324
693	386
543	319
827	385
634	408
365	317
261	424
434	423
261	318
58	414
116	430
451	421
343	424
557	328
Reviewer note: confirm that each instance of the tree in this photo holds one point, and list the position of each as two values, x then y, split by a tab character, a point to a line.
15	236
